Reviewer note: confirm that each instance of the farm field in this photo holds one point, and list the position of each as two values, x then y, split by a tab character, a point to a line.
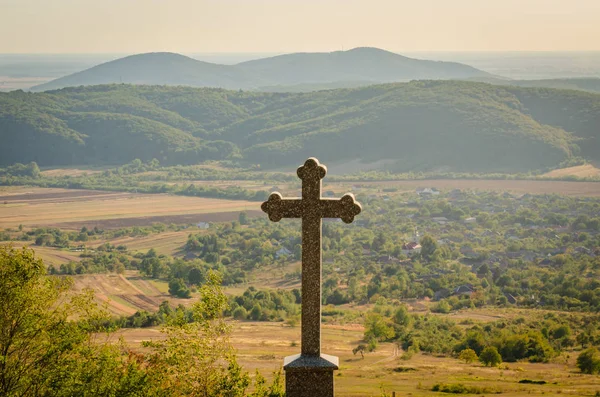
49	255
263	346
167	243
126	294
575	189
72	209
130	292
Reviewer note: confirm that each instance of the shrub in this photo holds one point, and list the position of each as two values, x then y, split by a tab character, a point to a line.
589	361
441	307
240	313
459	388
490	357
178	288
468	355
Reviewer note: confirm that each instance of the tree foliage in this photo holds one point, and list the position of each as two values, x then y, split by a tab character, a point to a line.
588	361
462	125
490	357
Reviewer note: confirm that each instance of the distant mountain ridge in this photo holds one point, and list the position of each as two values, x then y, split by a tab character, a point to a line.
417	126
371	65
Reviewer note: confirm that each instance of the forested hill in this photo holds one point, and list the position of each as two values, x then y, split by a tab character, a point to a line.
424	125
590	84
369	65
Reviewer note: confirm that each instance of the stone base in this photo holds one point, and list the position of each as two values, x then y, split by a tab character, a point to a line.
309	376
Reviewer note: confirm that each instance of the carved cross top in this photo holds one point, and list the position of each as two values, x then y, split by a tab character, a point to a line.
311	208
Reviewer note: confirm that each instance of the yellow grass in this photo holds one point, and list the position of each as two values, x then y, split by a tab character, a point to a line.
126	294
167	243
49	255
581	171
263	346
58	172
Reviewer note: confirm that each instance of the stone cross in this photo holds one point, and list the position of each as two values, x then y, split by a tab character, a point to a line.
311	373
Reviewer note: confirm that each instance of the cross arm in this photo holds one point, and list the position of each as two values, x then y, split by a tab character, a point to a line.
345	208
277	207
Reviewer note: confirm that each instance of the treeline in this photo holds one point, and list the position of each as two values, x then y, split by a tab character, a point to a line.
252	305
536	338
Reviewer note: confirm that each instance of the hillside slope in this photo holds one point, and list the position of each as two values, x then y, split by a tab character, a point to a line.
359	64
370	65
159	68
423	125
589	84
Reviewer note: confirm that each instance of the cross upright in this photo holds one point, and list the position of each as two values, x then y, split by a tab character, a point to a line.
311	373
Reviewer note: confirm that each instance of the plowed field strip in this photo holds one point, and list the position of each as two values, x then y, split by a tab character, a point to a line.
150	220
138	303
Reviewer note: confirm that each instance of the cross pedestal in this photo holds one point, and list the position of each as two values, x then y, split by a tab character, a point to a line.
311	373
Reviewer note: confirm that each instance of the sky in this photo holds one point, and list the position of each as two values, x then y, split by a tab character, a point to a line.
275	26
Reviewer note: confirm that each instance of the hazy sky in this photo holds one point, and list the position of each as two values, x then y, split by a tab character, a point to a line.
131	26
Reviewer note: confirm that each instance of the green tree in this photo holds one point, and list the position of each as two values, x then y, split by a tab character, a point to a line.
589	361
243	218
178	288
195	276
42	351
376	328
468	355
402	316
428	247
239	313
197	358
490	357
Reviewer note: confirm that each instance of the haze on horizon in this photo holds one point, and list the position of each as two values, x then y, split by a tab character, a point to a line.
134	26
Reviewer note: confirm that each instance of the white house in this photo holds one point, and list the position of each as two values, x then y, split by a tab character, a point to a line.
203	225
282	252
442	220
412	248
428	191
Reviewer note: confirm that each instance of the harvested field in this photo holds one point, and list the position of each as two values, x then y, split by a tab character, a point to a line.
583	189
125	294
37	195
49	255
166	219
167	243
72	209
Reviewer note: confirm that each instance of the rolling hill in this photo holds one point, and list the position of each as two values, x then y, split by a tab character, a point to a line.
421	125
369	65
589	84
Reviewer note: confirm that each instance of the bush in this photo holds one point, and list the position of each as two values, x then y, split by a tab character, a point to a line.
533	382
178	288
240	313
589	361
468	355
442	307
490	357
459	388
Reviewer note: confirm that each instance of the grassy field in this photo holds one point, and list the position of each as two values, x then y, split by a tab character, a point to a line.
581	171
72	209
263	346
50	255
167	243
